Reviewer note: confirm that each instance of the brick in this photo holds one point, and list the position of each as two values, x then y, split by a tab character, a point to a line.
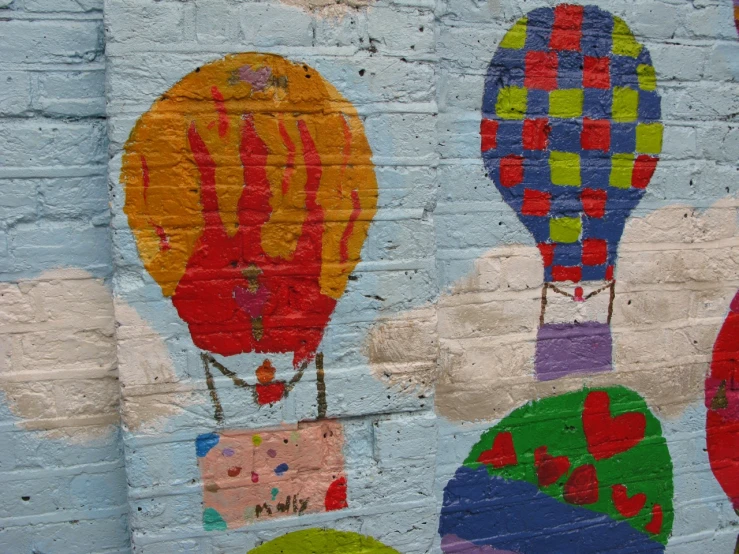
146	21
72	6
43	143
409	32
266	25
80	94
69	42
16	97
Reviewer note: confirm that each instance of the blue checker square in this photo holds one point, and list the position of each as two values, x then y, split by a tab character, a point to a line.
650	106
565	135
510	137
537	103
594	272
623	137
507	68
597	30
537	226
609	227
595	170
569	72
537	174
621	201
623	72
539	29
597	103
568	254
644	57
565	201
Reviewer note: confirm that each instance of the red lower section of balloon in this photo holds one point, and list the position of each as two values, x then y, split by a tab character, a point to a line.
722	403
233	296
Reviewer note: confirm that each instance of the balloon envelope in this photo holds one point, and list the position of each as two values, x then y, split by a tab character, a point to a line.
570	133
250	189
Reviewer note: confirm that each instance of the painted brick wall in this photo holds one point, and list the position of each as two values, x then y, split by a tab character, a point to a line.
121	424
61	467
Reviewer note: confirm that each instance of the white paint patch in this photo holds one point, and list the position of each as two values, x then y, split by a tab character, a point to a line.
329	8
59	365
150	389
57	354
676	274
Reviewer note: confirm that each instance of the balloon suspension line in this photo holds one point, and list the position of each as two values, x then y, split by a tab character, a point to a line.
209	362
611	286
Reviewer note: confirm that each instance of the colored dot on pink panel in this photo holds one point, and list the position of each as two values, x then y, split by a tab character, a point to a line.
271	453
228	452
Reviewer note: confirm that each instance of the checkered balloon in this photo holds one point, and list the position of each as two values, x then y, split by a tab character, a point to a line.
571	132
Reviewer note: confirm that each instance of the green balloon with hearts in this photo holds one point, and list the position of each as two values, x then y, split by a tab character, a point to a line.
563	462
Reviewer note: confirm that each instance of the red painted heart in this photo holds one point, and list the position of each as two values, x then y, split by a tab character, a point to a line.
549	468
501	454
655	526
582	486
607	435
627	506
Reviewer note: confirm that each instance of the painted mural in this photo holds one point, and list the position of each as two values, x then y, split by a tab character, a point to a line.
250	190
564	474
475	346
570	135
258	475
325	541
722	405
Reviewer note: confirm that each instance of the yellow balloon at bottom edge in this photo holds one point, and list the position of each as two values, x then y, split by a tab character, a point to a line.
323	541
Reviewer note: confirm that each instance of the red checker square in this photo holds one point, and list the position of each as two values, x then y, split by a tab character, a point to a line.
547	253
541	70
594	251
536	133
489	134
511	171
596	134
644	167
567	28
566	273
536	202
594	202
609	273
596	72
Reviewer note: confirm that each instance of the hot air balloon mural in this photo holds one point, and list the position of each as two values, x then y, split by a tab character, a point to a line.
570	135
249	190
722	404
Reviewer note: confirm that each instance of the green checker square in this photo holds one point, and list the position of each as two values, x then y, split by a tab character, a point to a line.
515	39
566	103
647	77
565	229
625	104
511	103
649	138
622	166
624	43
565	169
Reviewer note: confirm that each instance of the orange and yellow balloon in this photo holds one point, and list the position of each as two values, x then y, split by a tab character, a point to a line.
250	189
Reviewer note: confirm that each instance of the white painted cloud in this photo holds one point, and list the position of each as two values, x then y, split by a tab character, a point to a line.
678	269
